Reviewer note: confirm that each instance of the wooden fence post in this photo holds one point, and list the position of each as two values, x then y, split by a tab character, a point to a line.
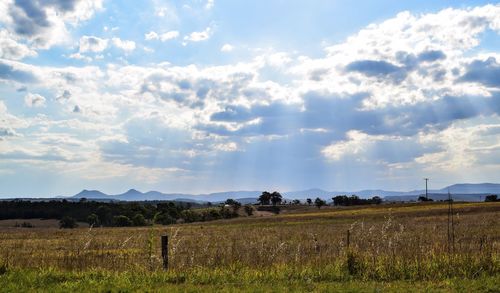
164	251
348	237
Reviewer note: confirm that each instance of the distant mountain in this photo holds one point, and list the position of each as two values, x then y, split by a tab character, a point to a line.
309	193
135	195
91	194
463	191
492	188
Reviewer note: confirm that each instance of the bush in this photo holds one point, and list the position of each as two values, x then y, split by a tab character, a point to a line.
24	225
423	198
67	223
227	214
93	220
122	221
249	209
190	216
165	219
139	220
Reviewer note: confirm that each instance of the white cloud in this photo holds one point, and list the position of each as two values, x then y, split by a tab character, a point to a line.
355	143
227	48
278	97
210	4
163	37
34	100
92	44
80	57
12	49
125	45
199	36
227	147
151	36
169	35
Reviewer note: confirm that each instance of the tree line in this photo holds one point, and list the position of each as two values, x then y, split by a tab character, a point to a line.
118	214
275	198
122	214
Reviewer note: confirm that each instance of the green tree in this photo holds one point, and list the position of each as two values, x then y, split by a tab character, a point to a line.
234	204
492	197
122	221
93	220
165	219
67	223
265	198
276	198
318	202
104	214
139	220
309	201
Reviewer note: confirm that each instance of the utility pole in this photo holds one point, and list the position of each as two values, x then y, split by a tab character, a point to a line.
426	194
451	225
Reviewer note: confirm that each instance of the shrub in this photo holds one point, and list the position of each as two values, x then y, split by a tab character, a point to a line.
249	209
423	198
139	220
165	219
93	220
67	223
24	225
122	221
190	216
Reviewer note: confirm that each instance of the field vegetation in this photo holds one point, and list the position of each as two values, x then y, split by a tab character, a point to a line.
391	247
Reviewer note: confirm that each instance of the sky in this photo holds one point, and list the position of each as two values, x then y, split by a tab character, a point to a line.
215	95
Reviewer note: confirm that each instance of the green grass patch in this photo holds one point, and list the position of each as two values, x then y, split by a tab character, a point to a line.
226	280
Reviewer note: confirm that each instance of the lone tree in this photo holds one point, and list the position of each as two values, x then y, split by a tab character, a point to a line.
67	223
295	202
276	198
319	202
265	198
492	197
309	201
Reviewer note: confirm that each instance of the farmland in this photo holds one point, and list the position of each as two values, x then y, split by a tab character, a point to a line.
390	247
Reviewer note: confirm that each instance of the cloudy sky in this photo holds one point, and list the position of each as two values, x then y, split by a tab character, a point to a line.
202	96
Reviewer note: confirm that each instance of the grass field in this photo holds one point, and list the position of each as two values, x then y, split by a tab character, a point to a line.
391	248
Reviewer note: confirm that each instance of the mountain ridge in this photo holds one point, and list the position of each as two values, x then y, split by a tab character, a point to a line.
479	189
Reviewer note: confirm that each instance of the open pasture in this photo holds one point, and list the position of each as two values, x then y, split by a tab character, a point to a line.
391	243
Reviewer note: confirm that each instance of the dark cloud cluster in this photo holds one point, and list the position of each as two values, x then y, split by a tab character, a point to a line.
29	17
486	72
8	72
431	56
341	114
6	132
378	68
396	73
31	20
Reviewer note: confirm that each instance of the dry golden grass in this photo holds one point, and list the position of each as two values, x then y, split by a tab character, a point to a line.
406	241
